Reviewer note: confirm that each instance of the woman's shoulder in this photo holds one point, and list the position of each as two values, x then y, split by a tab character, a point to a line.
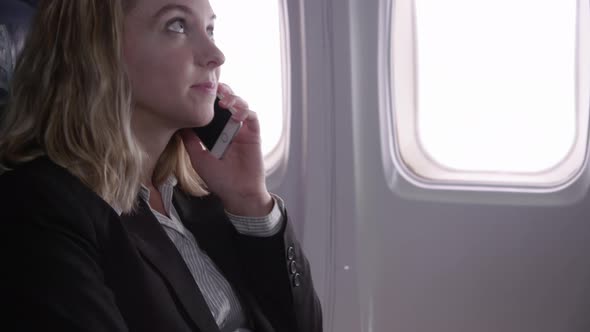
36	175
43	184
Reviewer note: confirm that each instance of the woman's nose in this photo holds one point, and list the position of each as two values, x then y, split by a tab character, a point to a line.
210	55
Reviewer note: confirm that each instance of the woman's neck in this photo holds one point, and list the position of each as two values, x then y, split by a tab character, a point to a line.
153	140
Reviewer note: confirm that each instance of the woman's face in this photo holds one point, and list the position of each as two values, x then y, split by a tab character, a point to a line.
172	61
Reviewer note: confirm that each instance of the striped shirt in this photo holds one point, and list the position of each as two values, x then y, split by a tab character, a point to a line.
218	293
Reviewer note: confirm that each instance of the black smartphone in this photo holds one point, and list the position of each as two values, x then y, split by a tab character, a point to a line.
218	134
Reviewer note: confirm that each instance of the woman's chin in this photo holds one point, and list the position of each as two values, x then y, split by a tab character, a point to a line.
200	120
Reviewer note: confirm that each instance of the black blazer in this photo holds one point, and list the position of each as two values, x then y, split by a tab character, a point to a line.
70	263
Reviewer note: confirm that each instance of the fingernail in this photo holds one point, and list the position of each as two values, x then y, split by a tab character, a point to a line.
236	116
223	104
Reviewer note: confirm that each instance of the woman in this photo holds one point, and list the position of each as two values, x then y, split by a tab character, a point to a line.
106	224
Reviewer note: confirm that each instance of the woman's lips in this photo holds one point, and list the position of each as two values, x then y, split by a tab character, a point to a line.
209	88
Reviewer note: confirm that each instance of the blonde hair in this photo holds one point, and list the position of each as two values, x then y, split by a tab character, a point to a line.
70	100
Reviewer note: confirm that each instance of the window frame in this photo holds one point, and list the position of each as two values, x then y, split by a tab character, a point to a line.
275	160
462	185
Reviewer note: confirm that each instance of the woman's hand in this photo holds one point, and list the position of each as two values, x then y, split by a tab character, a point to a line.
238	179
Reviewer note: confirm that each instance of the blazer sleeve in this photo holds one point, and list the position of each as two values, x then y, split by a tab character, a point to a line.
51	266
280	275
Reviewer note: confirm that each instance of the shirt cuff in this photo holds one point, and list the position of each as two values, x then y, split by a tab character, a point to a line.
266	226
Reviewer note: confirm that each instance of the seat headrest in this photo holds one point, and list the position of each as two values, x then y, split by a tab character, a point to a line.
14	20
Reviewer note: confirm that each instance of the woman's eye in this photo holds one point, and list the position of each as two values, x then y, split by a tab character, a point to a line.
177	26
210	31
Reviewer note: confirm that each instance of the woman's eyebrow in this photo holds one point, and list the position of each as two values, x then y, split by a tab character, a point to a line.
174	6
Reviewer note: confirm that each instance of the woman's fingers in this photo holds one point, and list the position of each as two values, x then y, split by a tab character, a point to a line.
229	100
224	90
240	110
237	106
252	122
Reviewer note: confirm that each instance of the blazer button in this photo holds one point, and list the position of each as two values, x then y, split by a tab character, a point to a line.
291	253
296	280
293	267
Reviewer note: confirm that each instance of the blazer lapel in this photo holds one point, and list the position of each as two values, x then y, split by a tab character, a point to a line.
157	248
207	221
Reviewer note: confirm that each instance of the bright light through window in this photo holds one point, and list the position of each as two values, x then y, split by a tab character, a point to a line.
490	92
496	82
248	33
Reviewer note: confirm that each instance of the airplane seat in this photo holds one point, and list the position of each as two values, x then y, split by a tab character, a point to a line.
14	19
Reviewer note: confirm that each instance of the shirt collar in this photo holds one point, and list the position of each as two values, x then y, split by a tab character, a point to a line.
169	183
144	192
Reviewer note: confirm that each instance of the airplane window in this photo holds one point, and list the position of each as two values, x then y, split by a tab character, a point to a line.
249	34
490	91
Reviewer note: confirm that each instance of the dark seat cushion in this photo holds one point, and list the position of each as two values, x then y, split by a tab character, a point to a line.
14	20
